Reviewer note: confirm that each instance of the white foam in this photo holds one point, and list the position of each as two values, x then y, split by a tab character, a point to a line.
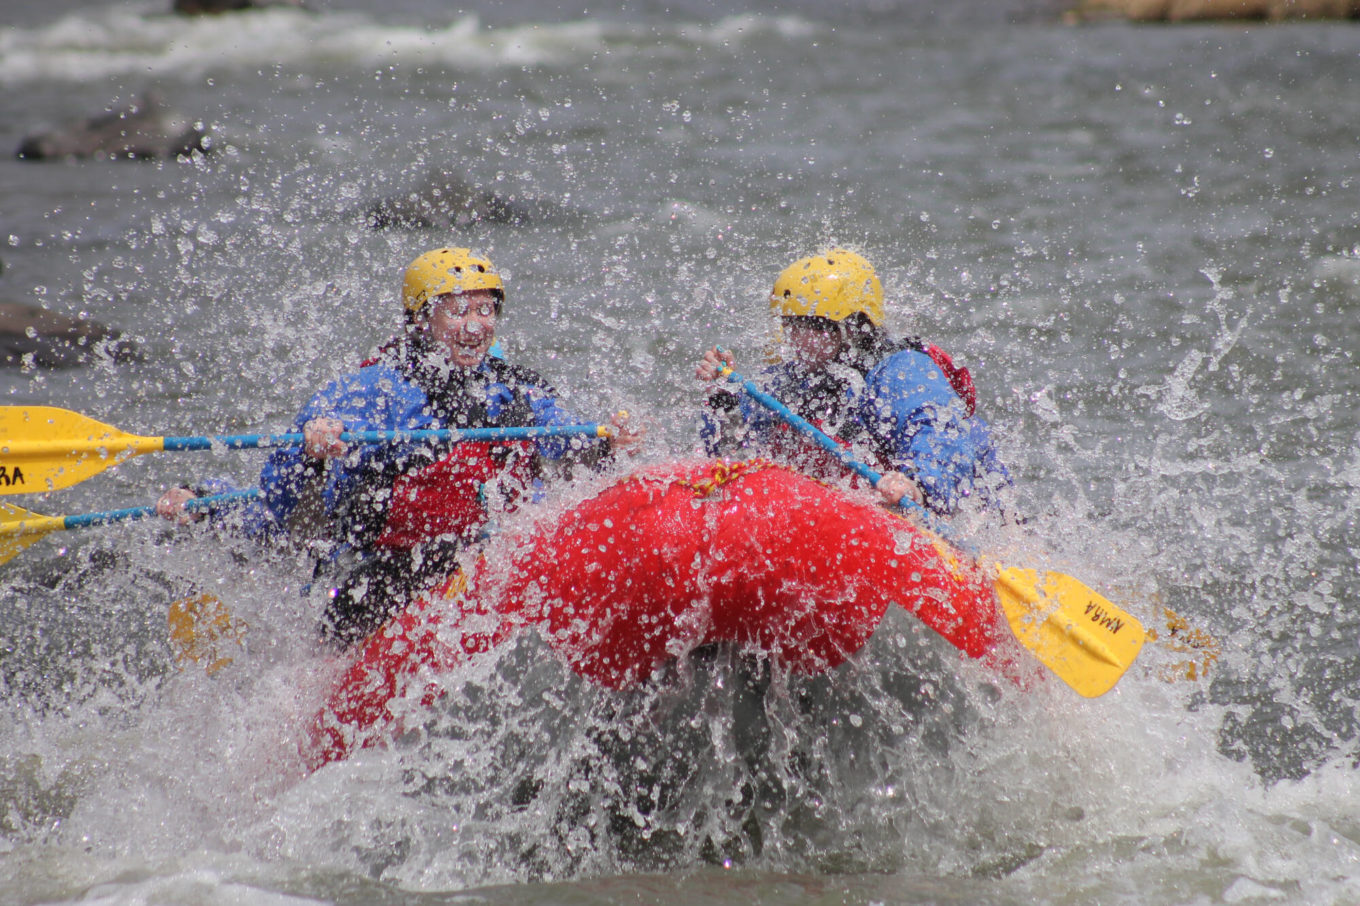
126	39
139	38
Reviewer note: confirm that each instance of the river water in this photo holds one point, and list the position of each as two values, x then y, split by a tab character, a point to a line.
1144	243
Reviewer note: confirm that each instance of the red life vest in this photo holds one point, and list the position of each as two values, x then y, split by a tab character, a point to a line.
959	378
448	497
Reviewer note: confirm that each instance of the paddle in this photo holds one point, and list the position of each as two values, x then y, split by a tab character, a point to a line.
43	448
1079	635
19	528
200	628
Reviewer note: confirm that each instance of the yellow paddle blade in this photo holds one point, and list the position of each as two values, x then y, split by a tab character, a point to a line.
1079	635
19	528
200	628
43	448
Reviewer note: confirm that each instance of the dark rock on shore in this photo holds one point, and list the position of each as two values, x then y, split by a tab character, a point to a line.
49	340
1214	10
213	7
446	200
143	129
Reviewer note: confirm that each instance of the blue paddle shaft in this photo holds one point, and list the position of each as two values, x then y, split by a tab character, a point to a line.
87	520
253	441
807	427
260	441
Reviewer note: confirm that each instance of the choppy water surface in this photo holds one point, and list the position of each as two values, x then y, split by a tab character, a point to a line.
1145	243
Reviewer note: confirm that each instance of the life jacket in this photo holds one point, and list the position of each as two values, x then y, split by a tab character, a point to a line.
788	446
959	378
451	497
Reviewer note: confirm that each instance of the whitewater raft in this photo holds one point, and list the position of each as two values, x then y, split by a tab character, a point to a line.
665	561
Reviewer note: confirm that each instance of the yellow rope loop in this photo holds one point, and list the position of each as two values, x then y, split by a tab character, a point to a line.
721	473
456	585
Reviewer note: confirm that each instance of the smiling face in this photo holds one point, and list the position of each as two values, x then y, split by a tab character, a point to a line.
815	341
464	325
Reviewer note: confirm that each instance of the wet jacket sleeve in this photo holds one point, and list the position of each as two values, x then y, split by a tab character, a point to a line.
544	411
917	419
548	411
249	516
374	399
732	421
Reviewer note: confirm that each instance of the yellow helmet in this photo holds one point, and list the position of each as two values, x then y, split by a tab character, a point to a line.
834	284
447	271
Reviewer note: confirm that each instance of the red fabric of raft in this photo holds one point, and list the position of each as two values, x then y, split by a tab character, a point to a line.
668	560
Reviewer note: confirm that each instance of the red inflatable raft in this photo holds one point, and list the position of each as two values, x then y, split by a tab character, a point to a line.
663	562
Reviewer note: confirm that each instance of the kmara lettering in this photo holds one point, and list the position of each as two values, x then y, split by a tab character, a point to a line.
10	477
1101	618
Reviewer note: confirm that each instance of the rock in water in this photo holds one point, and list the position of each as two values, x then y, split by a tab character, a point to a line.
1215	10
213	7
447	200
56	341
143	129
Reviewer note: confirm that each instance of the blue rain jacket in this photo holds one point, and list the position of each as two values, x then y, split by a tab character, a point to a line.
248	516
380	397
904	415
